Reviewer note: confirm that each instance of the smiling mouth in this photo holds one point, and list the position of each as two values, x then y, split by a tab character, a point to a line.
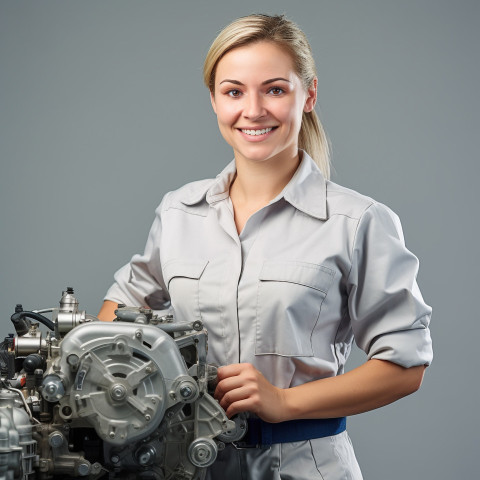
254	133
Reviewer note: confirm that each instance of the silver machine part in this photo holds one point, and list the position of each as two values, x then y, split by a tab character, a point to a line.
32	342
53	388
17	447
237	432
67	316
202	452
128	399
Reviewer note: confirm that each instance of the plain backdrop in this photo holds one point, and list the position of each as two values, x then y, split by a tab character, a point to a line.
103	110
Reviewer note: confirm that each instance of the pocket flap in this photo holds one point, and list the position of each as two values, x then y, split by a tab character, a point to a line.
302	273
184	268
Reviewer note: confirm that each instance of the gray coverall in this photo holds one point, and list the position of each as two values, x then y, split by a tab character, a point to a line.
317	267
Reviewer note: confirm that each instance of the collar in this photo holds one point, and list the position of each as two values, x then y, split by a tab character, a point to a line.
306	190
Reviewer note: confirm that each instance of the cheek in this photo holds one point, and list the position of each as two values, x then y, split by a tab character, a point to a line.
226	113
287	110
290	115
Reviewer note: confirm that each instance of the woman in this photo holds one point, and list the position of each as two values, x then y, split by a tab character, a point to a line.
284	268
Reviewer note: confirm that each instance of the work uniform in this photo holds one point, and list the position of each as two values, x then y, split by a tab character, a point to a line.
316	267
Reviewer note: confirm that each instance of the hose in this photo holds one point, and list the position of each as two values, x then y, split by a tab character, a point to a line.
17	317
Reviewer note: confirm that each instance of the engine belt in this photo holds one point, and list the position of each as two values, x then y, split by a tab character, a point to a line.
263	434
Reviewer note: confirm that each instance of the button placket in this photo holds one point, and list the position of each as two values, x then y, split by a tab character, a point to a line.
228	288
247	284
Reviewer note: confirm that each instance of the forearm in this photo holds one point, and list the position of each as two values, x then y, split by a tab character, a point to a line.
372	385
107	312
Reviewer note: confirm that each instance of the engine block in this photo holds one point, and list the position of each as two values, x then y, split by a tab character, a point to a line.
128	399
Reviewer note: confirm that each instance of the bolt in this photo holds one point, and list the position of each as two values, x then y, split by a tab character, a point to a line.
112	434
118	392
186	392
77	397
115	459
73	360
148	418
56	440
148	370
83	469
145	455
51	388
138	334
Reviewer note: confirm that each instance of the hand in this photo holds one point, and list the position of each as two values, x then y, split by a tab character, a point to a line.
242	388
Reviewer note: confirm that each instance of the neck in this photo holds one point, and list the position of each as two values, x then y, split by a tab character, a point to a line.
260	182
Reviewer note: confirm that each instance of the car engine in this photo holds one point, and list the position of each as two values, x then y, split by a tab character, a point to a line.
128	399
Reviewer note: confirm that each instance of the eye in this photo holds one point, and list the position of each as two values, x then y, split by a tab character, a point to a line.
234	93
276	91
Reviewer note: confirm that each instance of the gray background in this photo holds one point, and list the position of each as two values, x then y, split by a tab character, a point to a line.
103	110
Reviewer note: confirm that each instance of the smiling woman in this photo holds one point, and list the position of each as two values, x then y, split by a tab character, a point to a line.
295	49
284	268
259	101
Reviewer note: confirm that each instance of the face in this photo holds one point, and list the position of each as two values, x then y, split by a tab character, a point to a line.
259	101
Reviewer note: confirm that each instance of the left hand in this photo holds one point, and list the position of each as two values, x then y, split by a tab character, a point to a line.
242	388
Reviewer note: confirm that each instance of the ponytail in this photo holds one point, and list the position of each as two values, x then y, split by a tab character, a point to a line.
313	140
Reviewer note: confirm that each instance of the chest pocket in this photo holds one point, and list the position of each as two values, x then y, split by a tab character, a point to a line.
182	278
289	301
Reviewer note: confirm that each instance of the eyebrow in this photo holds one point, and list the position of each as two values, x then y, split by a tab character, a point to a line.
266	82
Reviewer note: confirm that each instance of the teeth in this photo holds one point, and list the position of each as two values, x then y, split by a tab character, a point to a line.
257	132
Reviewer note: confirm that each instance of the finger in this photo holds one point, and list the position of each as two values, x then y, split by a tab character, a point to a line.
230	370
227	385
234	396
244	405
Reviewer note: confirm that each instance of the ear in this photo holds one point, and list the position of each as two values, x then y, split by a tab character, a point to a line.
311	99
212	101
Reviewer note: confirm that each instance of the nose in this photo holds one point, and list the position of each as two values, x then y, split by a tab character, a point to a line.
254	107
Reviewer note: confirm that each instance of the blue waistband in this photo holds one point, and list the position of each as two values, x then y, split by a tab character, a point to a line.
262	434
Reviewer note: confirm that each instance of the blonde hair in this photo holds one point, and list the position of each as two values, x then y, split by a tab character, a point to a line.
285	33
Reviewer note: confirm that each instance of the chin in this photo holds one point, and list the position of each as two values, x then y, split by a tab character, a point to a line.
255	158
257	154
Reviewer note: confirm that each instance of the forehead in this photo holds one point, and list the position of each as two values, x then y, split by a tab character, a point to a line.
255	61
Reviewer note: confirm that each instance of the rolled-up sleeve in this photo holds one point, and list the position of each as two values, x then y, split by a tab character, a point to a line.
388	315
140	282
